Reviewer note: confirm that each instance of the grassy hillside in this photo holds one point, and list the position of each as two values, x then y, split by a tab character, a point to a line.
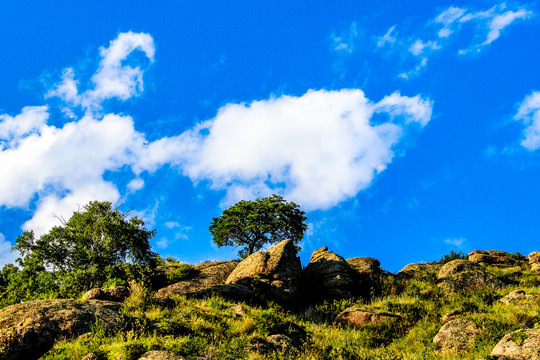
215	328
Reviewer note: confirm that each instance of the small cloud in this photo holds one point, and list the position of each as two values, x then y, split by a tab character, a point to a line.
388	38
419	47
529	114
345	42
458	242
135	185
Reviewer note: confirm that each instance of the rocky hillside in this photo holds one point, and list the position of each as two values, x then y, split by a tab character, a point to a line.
482	306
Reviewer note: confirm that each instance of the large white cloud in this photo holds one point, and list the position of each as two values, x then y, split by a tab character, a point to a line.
529	114
317	149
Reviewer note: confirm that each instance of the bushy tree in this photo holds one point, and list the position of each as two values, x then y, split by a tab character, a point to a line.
97	243
255	223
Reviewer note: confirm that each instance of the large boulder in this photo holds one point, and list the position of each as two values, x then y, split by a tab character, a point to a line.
118	294
208	275
274	273
488	259
458	275
456	335
522	344
359	316
233	292
365	266
29	330
328	275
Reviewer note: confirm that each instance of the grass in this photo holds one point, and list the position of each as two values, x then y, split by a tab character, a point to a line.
215	328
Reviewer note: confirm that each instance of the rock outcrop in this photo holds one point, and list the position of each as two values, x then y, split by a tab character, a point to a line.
209	274
118	294
460	275
29	330
365	266
519	345
456	335
534	261
274	274
359	316
329	274
416	270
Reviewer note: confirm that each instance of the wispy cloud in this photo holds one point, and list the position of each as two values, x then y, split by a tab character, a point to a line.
438	33
529	115
345	42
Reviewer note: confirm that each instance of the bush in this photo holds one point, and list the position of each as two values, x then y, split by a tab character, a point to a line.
180	272
452	256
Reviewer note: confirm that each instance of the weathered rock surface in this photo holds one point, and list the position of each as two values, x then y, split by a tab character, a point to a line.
365	266
460	275
534	257
417	269
359	316
160	355
519	345
274	273
119	294
535	267
456	335
488	259
518	296
209	274
28	330
329	274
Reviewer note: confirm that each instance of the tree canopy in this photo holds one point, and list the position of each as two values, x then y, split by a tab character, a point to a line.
255	223
98	243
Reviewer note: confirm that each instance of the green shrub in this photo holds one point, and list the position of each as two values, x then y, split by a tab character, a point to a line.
452	256
180	272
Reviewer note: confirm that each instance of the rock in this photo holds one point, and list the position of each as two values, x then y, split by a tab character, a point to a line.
359	316
456	335
118	294
238	310
534	257
274	273
535	267
460	275
519	345
209	274
488	259
160	355
29	330
281	343
365	266
416	270
329	275
490	252
518	296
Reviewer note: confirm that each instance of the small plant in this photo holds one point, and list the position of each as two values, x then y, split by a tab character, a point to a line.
452	256
519	337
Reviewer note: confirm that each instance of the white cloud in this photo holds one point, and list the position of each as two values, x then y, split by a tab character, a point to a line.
448	18
499	22
457	242
317	149
529	114
419	47
6	255
113	79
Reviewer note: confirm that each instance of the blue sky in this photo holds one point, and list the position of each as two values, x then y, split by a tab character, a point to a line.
404	130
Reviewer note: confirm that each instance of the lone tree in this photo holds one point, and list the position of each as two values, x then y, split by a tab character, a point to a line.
255	223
